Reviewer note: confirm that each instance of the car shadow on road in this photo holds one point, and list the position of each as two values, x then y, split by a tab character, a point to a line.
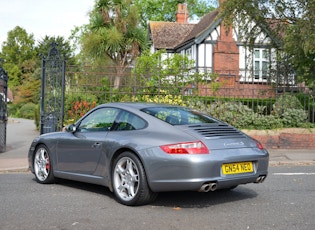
182	199
190	199
97	189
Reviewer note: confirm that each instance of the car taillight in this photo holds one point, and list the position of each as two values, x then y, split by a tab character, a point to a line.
259	145
186	148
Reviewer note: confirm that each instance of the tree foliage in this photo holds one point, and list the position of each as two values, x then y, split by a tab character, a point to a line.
18	53
114	32
291	21
173	73
161	10
63	45
21	60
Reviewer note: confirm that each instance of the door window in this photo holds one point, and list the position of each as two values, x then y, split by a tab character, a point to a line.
99	120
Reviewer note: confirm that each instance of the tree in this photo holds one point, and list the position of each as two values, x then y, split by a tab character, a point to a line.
64	47
114	32
292	22
173	73
161	10
18	53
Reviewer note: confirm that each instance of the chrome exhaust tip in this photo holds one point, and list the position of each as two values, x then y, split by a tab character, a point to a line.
260	179
207	187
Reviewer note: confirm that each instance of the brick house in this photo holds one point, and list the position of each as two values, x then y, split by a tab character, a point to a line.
241	71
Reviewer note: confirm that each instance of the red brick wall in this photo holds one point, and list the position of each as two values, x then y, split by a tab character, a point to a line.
226	53
287	140
226	65
230	86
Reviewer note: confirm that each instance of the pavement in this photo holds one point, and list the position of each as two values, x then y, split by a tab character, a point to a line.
21	132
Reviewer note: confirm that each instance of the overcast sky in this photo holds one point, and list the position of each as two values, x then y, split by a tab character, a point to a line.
43	17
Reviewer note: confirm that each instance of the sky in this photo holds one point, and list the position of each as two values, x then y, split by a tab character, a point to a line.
43	17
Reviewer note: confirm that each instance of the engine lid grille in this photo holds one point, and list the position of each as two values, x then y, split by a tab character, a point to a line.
217	130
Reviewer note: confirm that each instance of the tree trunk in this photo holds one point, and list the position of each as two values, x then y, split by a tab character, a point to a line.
119	73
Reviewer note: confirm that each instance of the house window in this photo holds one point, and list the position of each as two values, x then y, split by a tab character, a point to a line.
188	52
261	63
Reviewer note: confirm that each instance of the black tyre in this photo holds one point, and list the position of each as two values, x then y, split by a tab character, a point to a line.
130	182
43	166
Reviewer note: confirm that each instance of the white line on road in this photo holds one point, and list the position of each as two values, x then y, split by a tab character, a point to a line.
292	174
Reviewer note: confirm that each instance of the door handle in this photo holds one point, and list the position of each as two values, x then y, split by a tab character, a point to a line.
96	145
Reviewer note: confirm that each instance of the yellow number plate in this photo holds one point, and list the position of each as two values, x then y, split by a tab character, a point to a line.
236	168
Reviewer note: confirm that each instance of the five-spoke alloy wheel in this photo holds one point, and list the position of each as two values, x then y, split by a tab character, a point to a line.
42	165
129	181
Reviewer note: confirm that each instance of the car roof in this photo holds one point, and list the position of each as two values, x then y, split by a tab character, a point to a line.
136	105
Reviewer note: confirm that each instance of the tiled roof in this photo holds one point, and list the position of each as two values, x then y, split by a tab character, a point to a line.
168	35
172	35
205	22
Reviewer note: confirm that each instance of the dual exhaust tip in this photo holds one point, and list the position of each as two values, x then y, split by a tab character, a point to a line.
260	179
212	186
207	187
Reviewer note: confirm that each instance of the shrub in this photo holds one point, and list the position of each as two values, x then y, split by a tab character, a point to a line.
285	102
266	122
163	97
28	111
13	110
294	117
37	116
78	109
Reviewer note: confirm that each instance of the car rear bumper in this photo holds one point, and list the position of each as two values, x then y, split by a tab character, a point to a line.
186	172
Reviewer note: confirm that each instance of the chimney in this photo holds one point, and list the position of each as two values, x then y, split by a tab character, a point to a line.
182	13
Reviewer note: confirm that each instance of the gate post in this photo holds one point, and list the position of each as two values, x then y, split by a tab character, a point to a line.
52	92
3	109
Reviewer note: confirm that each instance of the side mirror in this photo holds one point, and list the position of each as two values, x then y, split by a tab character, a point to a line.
70	128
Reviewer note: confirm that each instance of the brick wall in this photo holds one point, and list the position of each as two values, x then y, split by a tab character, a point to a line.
226	65
230	86
286	138
225	53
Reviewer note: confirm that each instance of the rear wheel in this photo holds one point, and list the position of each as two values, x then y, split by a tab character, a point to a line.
130	182
42	165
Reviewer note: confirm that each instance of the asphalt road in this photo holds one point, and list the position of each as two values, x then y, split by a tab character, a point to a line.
286	200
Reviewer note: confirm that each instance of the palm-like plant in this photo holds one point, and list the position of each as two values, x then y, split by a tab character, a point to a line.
114	32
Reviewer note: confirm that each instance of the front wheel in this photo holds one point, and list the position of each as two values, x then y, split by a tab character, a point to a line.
130	182
42	166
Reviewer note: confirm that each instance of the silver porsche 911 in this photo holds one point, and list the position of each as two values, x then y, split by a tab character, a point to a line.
139	149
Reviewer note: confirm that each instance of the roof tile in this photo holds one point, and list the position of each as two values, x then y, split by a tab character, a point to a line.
167	35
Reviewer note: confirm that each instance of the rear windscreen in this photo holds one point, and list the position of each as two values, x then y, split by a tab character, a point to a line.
179	115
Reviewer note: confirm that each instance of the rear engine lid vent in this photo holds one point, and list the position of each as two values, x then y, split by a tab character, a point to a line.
216	130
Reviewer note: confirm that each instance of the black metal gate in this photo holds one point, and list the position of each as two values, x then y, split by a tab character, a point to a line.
52	91
3	109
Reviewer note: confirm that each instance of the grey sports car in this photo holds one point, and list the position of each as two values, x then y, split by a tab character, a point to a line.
140	149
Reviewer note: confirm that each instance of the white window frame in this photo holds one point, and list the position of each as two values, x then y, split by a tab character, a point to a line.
261	64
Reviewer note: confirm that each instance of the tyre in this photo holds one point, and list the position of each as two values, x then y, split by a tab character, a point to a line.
129	181
43	166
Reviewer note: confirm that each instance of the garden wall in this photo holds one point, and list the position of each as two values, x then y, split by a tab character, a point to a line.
290	138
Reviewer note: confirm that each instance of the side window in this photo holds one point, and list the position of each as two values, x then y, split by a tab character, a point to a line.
129	121
99	120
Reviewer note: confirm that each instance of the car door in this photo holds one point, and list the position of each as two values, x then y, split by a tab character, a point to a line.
81	152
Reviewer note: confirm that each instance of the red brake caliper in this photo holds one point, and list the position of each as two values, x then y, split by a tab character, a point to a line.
47	164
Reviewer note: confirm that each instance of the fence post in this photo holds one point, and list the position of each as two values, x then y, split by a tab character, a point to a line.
3	109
